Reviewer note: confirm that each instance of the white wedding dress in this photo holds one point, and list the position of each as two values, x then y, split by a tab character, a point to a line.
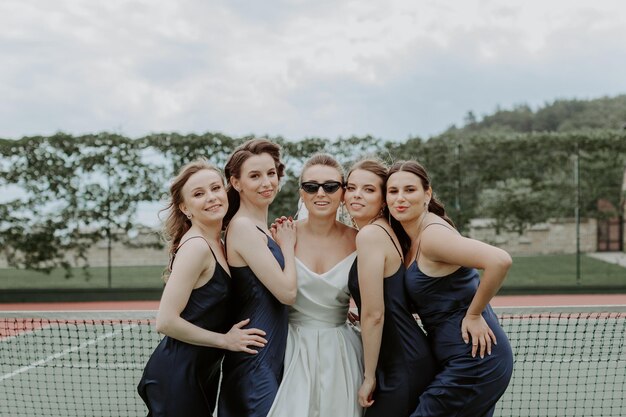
324	355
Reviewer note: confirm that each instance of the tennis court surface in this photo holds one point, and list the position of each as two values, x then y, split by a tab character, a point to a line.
569	361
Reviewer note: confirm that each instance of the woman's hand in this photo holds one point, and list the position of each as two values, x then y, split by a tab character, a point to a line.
238	339
274	225
474	325
366	391
283	231
353	318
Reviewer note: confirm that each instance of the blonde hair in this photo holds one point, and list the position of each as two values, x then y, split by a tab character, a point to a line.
325	160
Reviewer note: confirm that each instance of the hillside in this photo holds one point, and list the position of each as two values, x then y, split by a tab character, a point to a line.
558	116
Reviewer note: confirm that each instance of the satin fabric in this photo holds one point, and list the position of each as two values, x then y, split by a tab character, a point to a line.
406	364
323	368
250	381
181	379
466	386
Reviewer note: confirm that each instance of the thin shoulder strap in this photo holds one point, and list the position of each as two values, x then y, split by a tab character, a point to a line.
419	244
394	243
185	241
193	237
268	236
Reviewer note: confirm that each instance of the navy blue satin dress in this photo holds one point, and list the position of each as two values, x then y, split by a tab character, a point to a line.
250	381
466	386
406	364
181	379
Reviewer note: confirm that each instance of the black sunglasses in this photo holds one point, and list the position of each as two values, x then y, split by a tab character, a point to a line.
329	187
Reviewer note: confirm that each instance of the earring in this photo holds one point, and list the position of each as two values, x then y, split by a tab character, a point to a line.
189	216
342	212
300	203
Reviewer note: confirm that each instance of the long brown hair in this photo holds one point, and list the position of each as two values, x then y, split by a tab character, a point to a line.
373	165
177	223
378	168
235	162
434	205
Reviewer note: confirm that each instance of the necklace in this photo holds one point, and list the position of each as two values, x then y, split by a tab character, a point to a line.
374	219
419	226
356	226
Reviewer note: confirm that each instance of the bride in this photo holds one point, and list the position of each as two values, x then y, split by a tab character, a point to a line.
323	357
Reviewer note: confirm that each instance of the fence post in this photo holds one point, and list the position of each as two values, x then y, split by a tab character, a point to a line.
577	212
109	277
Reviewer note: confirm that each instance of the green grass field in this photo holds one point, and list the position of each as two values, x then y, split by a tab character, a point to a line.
122	277
560	270
527	272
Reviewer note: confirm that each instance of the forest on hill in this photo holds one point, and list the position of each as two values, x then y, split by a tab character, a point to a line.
557	116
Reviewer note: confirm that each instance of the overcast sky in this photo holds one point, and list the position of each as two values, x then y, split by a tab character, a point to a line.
393	69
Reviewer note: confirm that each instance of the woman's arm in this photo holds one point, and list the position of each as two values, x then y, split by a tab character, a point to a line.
246	240
371	267
191	261
440	244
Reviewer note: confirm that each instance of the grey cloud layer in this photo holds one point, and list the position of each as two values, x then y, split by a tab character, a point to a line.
296	68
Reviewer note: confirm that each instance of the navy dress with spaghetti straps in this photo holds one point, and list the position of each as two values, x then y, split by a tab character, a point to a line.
466	386
250	381
406	364
181	379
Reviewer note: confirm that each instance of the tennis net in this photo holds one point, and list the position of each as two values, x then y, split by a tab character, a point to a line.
568	362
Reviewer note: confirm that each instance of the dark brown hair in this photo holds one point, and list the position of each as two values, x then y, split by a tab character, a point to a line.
434	205
233	166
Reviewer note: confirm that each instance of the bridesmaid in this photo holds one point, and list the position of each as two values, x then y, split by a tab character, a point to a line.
264	278
397	357
182	374
451	300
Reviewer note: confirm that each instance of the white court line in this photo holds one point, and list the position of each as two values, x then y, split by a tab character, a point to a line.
64	352
568	306
115	365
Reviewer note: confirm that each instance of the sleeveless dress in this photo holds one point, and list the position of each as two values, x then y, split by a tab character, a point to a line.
406	364
466	386
181	379
323	368
250	381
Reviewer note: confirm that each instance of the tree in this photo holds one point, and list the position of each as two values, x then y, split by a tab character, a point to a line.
77	191
513	204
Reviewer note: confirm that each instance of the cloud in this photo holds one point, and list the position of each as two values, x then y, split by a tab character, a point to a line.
296	68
